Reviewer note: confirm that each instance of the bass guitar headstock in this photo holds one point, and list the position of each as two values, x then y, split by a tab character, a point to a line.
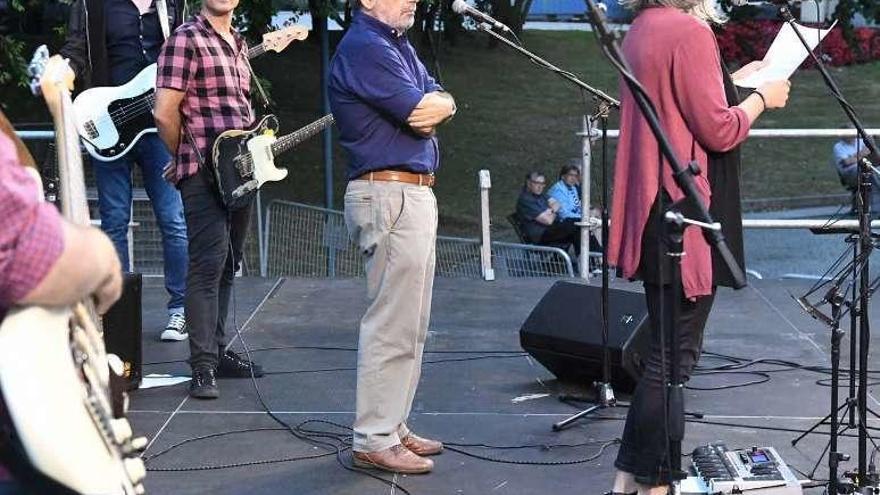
278	40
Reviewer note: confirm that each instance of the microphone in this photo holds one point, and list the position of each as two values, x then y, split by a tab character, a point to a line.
462	7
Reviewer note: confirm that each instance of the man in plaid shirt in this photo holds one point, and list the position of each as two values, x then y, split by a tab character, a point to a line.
203	90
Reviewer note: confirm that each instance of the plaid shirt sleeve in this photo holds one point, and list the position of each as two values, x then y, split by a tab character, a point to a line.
177	62
31	238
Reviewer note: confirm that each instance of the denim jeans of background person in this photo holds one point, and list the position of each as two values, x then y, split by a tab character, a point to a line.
108	44
204	84
387	109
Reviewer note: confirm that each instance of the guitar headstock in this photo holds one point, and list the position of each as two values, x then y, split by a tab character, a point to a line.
50	76
278	40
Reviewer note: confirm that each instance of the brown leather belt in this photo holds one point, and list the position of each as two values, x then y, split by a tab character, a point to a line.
400	176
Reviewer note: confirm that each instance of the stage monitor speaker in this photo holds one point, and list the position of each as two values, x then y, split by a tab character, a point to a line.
564	333
123	327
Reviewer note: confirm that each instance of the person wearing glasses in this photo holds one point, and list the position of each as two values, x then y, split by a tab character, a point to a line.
541	219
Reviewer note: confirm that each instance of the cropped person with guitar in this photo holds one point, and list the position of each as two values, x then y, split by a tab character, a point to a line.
203	90
44	260
109	43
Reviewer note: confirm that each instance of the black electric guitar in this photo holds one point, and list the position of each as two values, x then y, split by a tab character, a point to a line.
110	120
243	160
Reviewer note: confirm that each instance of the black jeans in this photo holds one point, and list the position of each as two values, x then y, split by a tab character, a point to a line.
216	237
566	233
643	451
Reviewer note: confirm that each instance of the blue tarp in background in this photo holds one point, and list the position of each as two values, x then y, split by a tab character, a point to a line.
570	9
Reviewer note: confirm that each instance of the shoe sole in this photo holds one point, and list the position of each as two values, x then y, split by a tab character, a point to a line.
205	396
423	454
239	377
173	336
369	465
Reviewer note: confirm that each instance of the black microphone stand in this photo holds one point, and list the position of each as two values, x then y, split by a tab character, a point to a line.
605	397
674	226
865	248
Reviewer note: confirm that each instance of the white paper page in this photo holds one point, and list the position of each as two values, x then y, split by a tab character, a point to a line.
785	55
154	380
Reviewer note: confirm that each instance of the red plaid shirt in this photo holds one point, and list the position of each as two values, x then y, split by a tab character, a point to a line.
216	80
31	239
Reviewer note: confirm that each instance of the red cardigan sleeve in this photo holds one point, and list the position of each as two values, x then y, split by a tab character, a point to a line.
699	92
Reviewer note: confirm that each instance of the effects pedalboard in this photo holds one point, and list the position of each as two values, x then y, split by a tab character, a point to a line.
758	471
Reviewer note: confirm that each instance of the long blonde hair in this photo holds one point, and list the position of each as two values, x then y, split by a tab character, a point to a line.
701	9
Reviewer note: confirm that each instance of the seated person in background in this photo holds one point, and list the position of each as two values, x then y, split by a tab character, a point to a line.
540	218
567	191
847	153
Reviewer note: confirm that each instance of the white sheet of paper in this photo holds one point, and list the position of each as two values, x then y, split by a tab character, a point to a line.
154	380
785	55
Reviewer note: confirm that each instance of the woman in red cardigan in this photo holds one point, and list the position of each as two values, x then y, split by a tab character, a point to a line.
674	54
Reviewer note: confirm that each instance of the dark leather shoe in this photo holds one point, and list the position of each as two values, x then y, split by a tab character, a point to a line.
395	459
421	446
234	366
203	384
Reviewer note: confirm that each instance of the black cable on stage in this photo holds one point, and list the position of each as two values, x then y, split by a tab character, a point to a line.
345	436
345	349
306	436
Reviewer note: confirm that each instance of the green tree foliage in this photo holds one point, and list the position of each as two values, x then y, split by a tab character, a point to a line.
846	10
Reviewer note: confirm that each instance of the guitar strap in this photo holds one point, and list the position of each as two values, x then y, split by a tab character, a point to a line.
267	105
162	10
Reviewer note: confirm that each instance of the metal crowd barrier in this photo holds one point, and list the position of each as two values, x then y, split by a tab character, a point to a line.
314	241
308	241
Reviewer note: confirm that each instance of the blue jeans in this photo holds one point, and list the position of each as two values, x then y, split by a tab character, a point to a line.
114	203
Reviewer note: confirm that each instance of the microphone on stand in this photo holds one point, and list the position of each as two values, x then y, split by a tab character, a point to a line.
462	7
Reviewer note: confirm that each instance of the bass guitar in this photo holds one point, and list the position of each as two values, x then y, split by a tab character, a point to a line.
243	160
67	419
110	120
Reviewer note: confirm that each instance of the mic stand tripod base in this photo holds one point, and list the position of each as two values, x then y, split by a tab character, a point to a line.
604	399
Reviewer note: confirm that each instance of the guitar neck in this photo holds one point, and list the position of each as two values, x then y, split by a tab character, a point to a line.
292	140
256	51
72	188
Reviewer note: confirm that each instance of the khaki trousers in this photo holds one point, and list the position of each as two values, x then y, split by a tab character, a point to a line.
395	227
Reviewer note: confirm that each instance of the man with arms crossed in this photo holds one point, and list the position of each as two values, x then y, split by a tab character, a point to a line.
387	109
203	90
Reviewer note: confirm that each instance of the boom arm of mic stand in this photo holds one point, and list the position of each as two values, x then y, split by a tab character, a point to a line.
683	179
568	76
847	108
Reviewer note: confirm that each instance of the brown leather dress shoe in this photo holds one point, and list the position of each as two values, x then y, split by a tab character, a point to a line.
421	446
396	459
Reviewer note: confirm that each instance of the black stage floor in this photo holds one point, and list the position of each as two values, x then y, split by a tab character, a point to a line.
472	401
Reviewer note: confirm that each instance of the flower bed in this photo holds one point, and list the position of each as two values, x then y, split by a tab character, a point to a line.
744	41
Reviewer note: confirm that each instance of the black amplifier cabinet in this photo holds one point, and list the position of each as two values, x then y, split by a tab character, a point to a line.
123	328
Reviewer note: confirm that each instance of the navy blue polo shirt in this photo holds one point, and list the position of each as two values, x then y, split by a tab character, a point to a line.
529	206
133	40
376	80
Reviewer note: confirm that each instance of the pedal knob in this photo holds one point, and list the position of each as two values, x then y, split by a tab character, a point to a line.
121	430
135	469
139	443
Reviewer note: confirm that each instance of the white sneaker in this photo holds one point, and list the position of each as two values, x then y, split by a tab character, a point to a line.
175	330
